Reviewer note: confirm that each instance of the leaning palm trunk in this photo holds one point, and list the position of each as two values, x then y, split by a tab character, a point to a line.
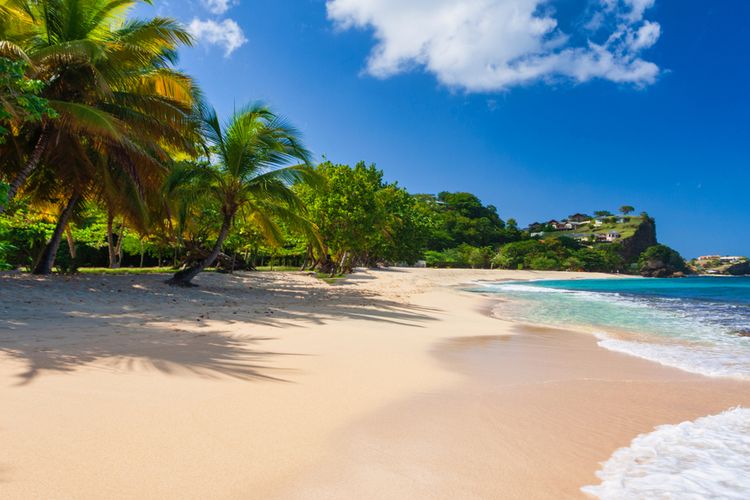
47	259
28	169
184	277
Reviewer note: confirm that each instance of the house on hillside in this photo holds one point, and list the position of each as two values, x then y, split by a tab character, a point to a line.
731	259
560	226
709	257
613	236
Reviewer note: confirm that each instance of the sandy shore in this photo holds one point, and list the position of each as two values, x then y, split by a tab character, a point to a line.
395	384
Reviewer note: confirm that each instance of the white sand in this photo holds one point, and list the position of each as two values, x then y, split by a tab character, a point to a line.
278	385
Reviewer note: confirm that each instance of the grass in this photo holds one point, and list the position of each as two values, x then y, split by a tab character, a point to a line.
331	280
126	270
283	269
168	270
626	229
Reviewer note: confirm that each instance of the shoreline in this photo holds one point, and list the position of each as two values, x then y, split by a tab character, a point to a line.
286	387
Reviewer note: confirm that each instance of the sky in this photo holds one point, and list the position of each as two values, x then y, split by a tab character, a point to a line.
542	108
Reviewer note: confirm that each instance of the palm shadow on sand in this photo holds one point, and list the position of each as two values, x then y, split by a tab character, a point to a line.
136	322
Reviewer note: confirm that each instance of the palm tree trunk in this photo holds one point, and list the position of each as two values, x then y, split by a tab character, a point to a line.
111	240
184	277
118	246
34	159
47	259
71	242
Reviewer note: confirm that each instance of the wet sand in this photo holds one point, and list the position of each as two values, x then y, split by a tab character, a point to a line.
537	412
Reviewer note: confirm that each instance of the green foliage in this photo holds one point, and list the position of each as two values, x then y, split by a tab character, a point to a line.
20	99
463	256
662	256
23	234
3	191
362	219
558	254
517	255
461	218
626	209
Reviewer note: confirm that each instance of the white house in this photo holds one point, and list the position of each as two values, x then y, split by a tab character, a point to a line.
731	259
613	236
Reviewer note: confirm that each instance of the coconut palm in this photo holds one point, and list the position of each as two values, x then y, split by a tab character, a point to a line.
117	99
108	78
247	173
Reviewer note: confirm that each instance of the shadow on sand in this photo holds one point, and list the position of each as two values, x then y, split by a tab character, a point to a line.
137	322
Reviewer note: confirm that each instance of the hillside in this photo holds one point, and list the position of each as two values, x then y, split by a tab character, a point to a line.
715	264
633	234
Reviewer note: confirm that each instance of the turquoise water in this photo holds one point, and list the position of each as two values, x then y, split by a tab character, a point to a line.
699	324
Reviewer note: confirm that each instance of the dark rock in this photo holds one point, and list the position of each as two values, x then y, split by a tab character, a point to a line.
739	269
644	237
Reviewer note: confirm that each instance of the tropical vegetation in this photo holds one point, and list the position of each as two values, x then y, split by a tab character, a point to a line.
106	146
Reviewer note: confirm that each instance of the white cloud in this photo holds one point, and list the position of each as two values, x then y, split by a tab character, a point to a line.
219	7
491	45
226	33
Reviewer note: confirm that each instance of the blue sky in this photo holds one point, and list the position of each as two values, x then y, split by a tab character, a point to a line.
541	108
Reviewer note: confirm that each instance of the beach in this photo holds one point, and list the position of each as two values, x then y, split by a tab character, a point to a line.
394	383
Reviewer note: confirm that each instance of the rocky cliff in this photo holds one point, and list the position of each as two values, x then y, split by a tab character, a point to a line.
644	237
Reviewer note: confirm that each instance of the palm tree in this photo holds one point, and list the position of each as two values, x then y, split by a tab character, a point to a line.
118	100
109	79
246	173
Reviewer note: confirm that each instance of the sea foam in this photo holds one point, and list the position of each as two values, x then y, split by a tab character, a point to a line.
705	458
697	336
711	361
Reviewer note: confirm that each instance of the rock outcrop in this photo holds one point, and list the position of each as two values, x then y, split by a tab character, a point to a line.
644	237
739	269
660	261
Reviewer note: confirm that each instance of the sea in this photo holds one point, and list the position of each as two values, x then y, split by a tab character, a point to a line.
696	324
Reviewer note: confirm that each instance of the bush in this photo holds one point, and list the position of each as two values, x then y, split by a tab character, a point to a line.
544	263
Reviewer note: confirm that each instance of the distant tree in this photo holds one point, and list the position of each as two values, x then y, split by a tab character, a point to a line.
626	209
462	218
603	213
363	220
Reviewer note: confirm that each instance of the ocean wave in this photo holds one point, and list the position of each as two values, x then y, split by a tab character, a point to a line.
711	361
692	335
705	458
